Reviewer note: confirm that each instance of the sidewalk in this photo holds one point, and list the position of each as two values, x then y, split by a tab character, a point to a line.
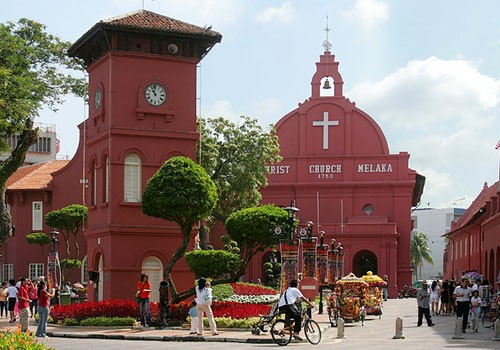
378	332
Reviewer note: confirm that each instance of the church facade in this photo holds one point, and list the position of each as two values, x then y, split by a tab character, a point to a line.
338	169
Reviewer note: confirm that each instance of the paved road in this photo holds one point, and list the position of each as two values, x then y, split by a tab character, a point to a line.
375	334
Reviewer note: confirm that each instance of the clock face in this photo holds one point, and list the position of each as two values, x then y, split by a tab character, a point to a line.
155	94
97	98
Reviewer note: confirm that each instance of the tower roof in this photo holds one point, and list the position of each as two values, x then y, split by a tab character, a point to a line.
140	22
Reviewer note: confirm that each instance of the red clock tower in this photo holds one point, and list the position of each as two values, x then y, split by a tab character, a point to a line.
142	111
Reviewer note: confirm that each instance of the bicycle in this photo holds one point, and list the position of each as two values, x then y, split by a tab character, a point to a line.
489	317
282	331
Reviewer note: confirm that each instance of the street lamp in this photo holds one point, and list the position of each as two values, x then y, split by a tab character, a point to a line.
292	212
54	239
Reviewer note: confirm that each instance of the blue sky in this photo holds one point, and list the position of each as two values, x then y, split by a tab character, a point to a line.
427	71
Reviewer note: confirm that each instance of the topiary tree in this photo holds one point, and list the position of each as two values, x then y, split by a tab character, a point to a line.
69	221
39	238
182	192
212	263
251	228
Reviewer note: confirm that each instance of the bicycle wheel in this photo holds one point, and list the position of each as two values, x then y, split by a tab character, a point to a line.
281	332
489	318
312	332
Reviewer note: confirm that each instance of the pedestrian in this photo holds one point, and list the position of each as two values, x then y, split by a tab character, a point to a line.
290	296
12	299
194	318
144	292
44	297
475	303
484	294
423	296
3	300
385	293
203	302
445	299
462	295
33	295
23	301
435	291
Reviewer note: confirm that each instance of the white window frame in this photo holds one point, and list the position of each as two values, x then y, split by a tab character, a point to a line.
7	272
36	270
84	274
132	179
106	181
94	185
37	215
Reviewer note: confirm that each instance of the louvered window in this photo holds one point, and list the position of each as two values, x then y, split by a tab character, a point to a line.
132	178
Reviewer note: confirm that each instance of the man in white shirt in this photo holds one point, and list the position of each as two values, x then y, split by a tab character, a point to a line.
462	294
289	297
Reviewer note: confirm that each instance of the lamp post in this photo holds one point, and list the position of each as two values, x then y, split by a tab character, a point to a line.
292	212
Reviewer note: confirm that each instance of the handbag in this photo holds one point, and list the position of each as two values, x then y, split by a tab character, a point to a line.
137	297
294	309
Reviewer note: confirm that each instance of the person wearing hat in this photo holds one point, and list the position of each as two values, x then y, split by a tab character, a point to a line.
423	297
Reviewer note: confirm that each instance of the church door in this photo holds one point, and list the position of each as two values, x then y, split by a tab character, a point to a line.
363	262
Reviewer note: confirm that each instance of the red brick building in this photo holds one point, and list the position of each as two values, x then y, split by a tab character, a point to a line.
338	169
474	241
142	111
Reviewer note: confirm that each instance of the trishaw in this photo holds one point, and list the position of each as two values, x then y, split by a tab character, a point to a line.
348	300
373	304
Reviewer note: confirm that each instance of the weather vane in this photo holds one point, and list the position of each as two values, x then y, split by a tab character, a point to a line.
327	45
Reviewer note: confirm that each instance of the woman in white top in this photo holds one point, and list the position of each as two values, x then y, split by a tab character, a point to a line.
12	299
435	292
203	302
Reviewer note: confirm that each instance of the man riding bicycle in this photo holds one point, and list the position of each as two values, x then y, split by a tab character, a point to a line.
291	295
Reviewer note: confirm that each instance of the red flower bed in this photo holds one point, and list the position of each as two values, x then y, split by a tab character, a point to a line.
239	310
179	311
251	289
107	308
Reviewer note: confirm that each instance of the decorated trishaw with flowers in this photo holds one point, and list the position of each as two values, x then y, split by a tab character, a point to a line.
373	303
348	299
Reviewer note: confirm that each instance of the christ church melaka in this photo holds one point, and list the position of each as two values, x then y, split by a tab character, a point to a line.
142	111
337	168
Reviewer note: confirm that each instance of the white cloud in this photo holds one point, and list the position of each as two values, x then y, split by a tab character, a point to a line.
221	108
445	114
368	13
267	111
284	13
201	12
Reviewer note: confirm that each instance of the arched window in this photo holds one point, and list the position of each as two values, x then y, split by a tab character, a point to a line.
93	184
105	180
84	277
132	178
153	267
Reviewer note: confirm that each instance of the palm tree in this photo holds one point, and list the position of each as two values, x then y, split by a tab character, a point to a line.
419	251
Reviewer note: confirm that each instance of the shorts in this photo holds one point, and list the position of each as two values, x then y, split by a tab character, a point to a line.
434	299
12	303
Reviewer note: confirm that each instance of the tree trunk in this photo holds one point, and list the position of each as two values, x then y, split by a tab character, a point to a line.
7	167
186	229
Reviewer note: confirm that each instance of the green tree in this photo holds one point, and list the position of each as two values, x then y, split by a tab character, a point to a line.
251	228
35	72
212	263
182	192
39	238
236	157
420	251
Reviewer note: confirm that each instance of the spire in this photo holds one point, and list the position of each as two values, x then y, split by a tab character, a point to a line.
327	44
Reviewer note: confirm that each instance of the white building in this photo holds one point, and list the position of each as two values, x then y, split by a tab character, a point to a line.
434	223
44	150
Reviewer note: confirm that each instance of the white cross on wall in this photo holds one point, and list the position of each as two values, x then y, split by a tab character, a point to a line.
325	123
